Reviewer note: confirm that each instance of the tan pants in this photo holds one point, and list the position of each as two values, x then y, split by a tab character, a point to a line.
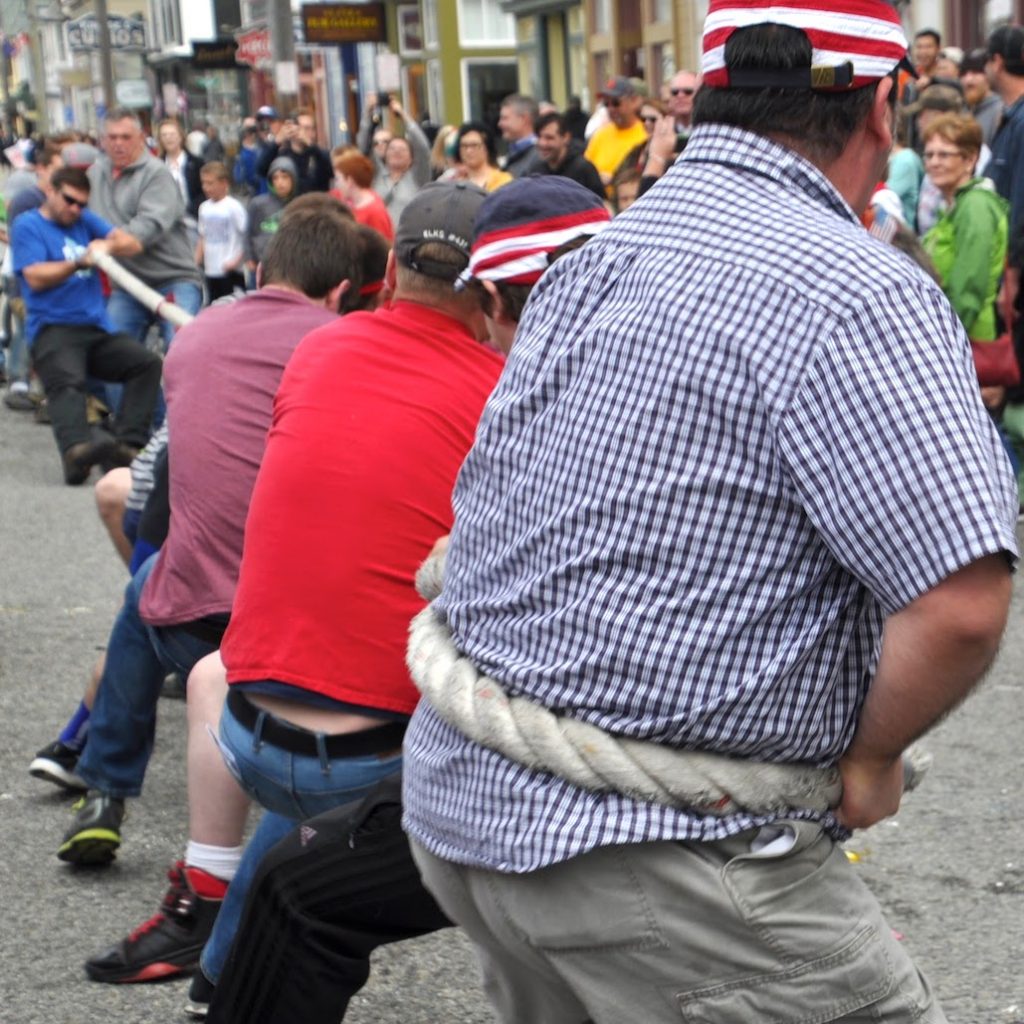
707	933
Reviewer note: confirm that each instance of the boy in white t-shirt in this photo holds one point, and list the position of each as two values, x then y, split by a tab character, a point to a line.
222	223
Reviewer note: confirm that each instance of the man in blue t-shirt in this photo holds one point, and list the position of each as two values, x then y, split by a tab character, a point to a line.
69	333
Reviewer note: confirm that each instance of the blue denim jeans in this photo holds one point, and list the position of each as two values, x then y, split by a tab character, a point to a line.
123	719
131	317
292	787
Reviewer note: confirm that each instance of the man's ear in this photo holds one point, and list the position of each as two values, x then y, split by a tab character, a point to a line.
881	120
498	312
333	298
390	273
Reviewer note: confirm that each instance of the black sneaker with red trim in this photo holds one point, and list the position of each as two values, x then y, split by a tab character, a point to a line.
170	942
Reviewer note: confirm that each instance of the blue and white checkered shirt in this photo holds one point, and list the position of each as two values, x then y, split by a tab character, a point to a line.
735	432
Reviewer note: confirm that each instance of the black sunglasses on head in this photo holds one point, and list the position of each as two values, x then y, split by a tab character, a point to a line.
72	201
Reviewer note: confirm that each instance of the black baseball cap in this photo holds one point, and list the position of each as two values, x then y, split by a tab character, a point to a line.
441	212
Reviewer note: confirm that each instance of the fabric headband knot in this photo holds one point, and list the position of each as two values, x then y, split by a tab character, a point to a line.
856	43
519	255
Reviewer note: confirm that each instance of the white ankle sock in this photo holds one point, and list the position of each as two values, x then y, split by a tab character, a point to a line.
220	861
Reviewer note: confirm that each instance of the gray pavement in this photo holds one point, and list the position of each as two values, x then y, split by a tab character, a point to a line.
949	869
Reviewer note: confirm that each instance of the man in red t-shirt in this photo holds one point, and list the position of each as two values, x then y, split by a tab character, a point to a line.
371	424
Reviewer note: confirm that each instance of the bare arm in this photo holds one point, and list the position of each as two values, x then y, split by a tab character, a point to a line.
934	651
40	277
122	243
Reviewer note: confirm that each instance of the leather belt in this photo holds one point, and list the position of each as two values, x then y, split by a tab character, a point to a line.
296	740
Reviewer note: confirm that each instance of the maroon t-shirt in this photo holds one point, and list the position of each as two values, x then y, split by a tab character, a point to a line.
373	419
220	377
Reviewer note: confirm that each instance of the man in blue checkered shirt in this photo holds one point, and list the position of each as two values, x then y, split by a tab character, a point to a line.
736	440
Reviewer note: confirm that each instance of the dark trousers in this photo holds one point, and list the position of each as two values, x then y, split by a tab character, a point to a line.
325	897
63	355
218	287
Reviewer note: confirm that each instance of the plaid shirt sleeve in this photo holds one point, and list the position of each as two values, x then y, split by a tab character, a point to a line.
886	438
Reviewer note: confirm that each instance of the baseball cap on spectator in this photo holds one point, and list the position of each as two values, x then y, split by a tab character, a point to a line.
1008	43
268	113
941	95
441	212
79	154
856	43
619	86
975	60
520	224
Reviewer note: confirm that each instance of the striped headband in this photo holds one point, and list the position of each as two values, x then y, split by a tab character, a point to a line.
856	43
519	254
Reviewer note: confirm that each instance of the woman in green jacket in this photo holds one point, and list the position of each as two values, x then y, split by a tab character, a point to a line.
968	244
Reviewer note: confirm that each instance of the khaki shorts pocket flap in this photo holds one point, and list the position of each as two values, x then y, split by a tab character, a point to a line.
849	978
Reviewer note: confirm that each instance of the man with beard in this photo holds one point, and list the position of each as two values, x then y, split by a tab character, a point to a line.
984	105
561	154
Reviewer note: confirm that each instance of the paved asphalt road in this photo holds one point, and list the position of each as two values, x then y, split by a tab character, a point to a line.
949	869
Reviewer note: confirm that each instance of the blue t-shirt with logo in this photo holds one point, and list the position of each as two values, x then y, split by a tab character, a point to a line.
77	300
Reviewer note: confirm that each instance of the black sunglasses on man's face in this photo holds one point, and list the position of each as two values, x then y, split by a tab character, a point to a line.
683	92
72	201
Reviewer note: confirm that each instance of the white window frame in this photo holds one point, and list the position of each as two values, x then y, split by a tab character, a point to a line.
430	33
509	20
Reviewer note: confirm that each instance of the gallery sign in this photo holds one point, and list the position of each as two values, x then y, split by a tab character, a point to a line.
344	23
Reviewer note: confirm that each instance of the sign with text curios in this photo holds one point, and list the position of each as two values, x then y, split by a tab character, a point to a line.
344	23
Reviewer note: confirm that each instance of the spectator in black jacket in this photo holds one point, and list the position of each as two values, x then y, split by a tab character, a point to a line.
561	154
298	141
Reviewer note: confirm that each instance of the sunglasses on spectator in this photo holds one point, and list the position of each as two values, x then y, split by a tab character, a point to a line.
941	154
683	92
610	101
72	201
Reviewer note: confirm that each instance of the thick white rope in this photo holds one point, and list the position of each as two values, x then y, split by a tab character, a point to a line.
586	756
140	291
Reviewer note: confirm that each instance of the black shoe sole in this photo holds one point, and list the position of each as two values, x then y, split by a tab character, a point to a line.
158	970
90	851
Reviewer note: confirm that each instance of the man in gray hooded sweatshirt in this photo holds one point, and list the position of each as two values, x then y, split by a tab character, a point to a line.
133	190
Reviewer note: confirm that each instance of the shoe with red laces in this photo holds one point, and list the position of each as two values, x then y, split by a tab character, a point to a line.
170	942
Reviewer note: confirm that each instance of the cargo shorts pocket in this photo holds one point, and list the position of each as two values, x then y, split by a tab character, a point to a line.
819	947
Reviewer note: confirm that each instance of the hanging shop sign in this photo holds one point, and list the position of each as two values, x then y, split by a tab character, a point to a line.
219	54
344	23
125	33
254	48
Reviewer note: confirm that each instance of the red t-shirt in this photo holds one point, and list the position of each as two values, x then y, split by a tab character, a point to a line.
375	215
373	419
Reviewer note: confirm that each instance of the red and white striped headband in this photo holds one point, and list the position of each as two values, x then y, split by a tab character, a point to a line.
856	43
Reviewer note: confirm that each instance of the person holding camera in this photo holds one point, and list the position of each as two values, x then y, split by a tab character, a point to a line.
297	139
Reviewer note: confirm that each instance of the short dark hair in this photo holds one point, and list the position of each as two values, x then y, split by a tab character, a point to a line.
929	32
73	176
820	123
1008	43
373	260
314	250
46	153
485	133
553	118
319	202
